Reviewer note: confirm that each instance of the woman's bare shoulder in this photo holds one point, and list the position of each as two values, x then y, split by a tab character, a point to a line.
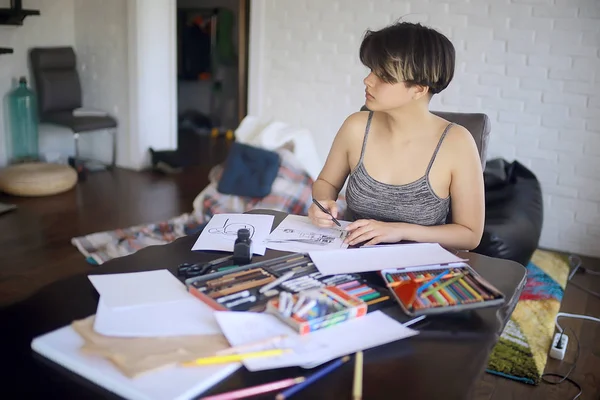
356	121
354	126
460	138
460	147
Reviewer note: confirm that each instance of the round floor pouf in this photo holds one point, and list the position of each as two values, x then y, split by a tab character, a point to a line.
37	179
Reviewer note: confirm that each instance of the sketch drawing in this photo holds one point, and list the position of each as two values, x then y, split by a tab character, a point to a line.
230	230
297	235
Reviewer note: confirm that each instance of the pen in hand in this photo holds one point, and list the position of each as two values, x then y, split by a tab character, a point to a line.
327	212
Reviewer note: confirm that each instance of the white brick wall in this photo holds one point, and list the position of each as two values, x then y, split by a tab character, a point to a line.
101	46
54	27
532	65
98	32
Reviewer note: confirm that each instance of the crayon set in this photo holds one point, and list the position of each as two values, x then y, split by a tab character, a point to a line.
440	289
316	309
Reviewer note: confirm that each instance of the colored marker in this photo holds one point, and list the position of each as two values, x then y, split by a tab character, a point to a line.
235	303
234	296
277	281
306	308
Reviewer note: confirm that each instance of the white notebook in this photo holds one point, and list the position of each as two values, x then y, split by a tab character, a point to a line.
62	347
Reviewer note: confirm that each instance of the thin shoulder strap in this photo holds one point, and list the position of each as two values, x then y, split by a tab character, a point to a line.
364	146
438	147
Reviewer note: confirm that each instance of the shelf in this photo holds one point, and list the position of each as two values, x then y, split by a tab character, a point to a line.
4	50
10	16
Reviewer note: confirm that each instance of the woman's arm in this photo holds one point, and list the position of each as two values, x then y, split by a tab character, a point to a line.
468	200
337	167
468	206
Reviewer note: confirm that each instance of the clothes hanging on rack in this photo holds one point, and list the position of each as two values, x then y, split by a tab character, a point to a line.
196	49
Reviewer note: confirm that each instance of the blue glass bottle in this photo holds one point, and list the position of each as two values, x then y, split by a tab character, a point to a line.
23	124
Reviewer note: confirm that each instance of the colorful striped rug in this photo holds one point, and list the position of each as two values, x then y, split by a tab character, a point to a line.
522	351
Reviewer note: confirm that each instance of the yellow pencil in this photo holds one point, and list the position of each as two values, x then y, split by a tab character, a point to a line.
358	376
234	357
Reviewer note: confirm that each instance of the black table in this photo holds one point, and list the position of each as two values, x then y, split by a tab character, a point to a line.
444	361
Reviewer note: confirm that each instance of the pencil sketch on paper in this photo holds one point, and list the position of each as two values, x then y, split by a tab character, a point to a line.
230	229
221	231
297	233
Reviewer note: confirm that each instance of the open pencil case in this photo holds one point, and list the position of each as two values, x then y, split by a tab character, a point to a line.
430	290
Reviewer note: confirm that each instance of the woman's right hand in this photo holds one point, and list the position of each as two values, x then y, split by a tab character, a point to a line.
320	218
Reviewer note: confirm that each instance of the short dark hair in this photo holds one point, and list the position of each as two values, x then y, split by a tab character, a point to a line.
411	53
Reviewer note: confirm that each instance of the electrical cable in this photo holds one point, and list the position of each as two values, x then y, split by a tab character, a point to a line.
562	378
569	315
576	265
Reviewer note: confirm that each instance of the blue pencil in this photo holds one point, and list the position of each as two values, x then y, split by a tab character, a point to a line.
431	282
313	378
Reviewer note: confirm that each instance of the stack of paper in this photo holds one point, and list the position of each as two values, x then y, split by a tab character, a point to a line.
149	304
145	321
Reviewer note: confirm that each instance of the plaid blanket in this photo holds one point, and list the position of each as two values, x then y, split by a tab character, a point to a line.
291	193
103	246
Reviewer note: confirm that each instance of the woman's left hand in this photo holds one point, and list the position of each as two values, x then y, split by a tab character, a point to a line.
372	232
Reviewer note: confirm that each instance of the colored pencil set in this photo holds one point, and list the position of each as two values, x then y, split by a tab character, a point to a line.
443	289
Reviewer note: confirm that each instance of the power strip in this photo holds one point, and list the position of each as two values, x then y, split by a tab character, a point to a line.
558	350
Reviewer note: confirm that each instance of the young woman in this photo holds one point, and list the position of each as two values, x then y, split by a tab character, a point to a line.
403	163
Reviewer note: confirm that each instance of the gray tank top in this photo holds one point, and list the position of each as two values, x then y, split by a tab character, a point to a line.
414	203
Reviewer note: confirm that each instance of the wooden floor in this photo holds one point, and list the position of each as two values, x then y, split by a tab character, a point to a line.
35	250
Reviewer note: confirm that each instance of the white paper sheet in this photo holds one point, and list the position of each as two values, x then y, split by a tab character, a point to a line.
221	232
374	329
148	304
376	258
185	317
139	288
297	233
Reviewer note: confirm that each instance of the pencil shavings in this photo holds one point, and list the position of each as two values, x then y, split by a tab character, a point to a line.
136	356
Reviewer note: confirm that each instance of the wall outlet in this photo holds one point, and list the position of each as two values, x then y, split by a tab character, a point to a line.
558	350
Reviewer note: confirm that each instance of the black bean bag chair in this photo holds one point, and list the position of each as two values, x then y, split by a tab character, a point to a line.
514	212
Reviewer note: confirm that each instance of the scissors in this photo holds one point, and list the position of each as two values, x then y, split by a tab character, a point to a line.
190	270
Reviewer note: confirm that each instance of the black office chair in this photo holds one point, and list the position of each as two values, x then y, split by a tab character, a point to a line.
513	198
58	91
